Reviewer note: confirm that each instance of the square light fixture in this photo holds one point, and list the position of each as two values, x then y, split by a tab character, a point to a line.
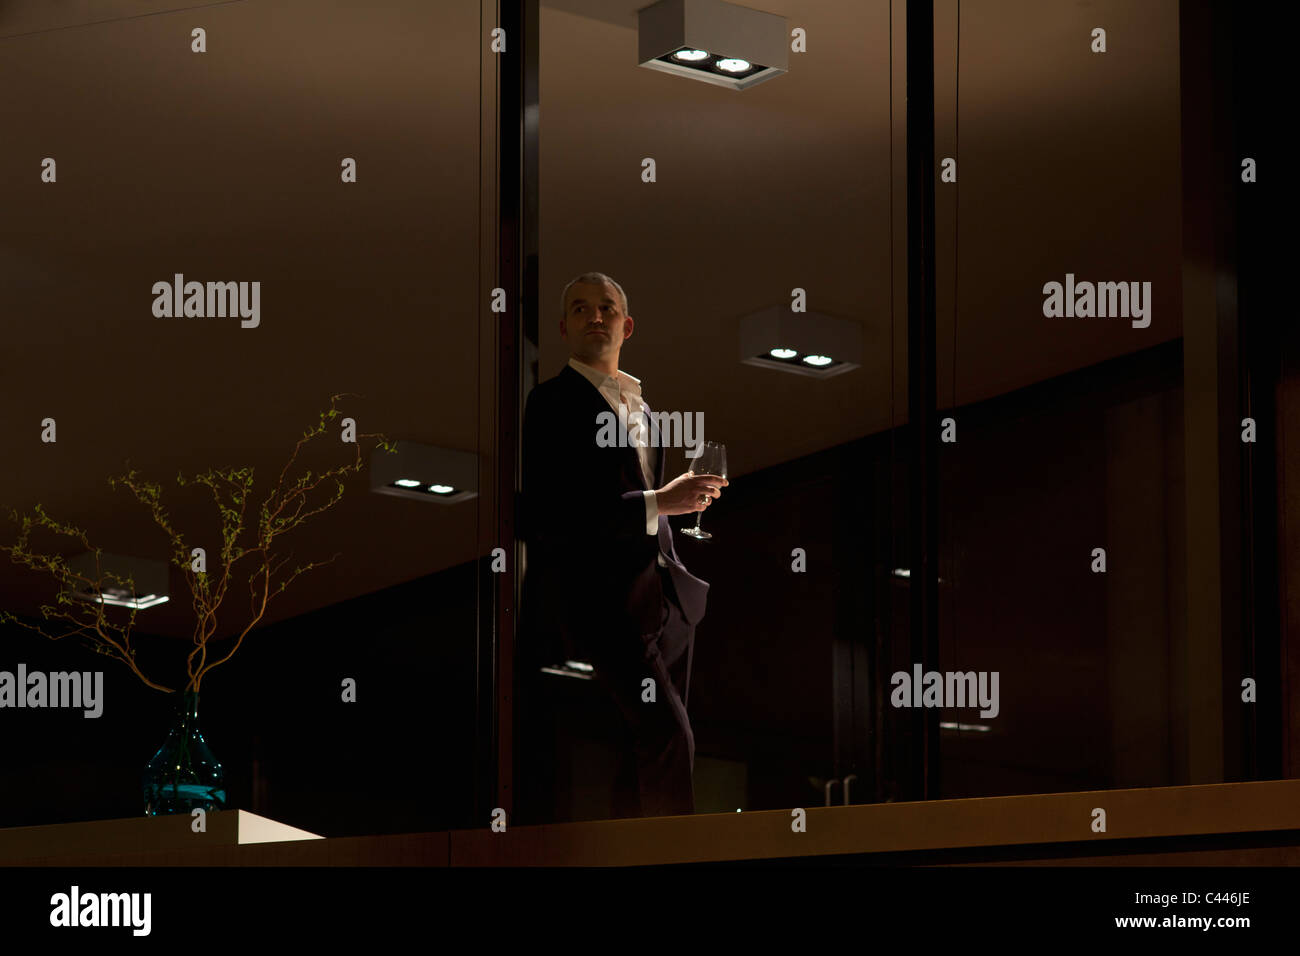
805	343
122	581
424	472
713	41
582	670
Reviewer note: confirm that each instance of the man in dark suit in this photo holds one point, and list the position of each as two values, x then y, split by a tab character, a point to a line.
603	582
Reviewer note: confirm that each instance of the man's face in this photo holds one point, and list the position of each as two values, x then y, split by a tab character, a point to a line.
594	324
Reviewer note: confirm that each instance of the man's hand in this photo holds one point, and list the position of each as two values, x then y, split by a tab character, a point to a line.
682	495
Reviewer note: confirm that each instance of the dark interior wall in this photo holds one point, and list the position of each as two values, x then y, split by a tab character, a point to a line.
761	689
1027	505
1287	434
397	760
1088	662
1146	591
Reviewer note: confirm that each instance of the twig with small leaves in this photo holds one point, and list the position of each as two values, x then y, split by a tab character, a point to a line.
207	592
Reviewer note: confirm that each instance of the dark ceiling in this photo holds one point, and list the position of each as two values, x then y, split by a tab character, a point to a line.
225	166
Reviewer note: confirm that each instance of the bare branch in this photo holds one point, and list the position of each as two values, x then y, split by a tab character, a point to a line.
231	490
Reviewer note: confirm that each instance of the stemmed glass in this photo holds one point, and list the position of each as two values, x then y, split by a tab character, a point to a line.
711	459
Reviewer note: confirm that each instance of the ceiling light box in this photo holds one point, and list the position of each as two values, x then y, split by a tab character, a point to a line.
424	472
139	582
805	343
712	41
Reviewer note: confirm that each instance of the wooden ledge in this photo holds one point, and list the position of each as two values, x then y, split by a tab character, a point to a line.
1032	820
1026	820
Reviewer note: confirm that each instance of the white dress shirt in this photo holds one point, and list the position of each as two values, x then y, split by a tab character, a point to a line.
625	390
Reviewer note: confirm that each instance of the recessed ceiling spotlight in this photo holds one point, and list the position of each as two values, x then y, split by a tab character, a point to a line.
579	669
803	343
907	574
424	472
734	65
119	580
713	41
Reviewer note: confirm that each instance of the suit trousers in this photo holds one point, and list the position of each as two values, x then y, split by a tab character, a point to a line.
655	776
657	752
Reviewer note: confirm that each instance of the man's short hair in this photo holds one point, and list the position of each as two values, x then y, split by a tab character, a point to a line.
593	278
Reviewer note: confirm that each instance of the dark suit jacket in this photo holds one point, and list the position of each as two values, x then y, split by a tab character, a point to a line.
592	571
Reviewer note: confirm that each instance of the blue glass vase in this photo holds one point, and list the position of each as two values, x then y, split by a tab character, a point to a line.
184	775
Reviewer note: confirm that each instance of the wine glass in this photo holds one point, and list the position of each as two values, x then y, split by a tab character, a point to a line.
711	459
